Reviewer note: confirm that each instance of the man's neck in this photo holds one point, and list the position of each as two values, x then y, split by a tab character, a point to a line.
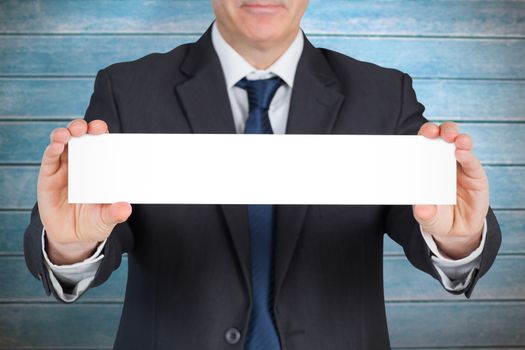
259	55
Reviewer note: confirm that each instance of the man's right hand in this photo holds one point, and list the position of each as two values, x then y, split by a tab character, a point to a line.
73	231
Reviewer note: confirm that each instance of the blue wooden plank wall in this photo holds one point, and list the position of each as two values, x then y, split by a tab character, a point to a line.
468	61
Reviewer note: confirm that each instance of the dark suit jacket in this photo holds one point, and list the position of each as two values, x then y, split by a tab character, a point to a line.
188	279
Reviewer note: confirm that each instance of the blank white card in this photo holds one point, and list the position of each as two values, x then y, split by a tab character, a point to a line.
261	169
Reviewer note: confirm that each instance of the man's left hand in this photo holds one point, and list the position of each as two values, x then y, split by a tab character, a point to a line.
457	228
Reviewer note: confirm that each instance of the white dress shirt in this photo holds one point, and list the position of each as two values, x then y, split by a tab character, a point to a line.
455	274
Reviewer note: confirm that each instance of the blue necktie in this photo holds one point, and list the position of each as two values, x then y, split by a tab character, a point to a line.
262	334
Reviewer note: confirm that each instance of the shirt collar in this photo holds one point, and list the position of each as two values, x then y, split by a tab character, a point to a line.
235	67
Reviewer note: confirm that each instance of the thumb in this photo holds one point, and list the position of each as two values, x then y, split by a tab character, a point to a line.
426	216
116	213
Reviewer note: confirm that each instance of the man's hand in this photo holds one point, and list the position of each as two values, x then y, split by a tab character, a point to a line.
457	228
73	230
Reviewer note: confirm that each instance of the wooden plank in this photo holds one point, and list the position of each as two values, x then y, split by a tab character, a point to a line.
421	57
461	347
403	282
58	326
18	186
105	17
24	142
504	281
472	100
52	55
45	98
478	18
512	222
470	18
453	324
20	286
436	58
459	100
414	325
12	227
507	186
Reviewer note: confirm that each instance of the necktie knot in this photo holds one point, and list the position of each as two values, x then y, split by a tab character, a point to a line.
260	92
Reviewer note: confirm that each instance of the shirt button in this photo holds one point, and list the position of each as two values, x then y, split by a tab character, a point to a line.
232	335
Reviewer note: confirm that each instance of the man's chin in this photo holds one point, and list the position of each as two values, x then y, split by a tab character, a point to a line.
264	22
262	33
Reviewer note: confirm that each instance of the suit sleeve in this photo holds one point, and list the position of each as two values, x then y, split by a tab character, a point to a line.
400	223
101	106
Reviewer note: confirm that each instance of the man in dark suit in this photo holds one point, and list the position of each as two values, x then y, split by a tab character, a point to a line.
247	276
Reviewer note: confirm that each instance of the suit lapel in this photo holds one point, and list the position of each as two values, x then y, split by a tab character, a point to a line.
203	96
316	101
206	105
314	106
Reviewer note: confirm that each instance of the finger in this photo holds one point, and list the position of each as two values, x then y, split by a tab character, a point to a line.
449	131
434	219
424	214
51	158
59	135
64	156
470	164
429	129
112	214
97	127
77	127
464	142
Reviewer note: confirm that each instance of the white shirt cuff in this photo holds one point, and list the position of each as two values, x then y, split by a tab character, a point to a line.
455	274
79	275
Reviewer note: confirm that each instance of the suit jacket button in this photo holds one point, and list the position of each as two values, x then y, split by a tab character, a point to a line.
232	335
